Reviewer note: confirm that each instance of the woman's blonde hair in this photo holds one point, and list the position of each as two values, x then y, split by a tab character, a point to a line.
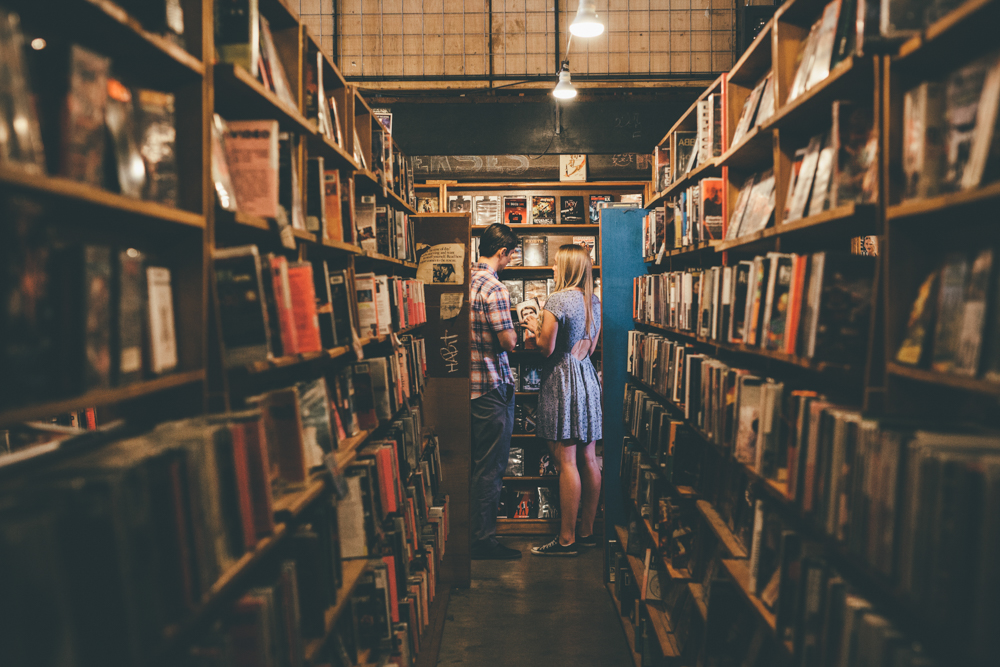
576	270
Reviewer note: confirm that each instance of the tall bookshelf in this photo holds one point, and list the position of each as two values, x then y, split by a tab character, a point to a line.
874	384
183	238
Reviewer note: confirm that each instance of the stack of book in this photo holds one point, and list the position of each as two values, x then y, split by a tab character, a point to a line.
83	123
78	316
949	131
387	304
815	306
954	318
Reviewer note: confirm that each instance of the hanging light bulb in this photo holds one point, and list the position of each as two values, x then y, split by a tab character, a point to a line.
586	23
564	90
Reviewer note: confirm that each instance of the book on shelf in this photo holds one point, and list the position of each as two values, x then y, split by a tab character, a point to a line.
290	206
272	69
486	209
923	140
571	210
427	205
365	221
459	204
536	289
515	288
333	223
120	117
820	199
22	135
712	194
588	242
855	164
801	193
595	207
543	210
156	128
749	111
535	251
315	199
243	316
682	145
252	153
225	192
703	113
515	210
162	328
82	146
237	35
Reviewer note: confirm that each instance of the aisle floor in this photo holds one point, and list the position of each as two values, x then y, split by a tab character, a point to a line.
534	611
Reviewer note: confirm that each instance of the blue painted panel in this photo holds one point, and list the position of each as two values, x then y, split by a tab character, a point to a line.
621	261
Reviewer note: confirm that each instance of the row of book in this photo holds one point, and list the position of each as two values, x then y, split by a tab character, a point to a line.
950	131
815	306
661	451
955	318
84	123
694	216
688	149
78	317
540	251
906	501
540	502
270	307
533	210
530	461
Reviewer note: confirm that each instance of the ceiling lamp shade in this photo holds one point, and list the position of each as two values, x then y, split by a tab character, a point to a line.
564	90
586	23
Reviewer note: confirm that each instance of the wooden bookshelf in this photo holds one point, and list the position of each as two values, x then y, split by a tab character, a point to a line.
966	383
626	627
740	574
545	479
240	96
691	178
479	229
101	397
718	526
952	202
74	193
829	226
352	571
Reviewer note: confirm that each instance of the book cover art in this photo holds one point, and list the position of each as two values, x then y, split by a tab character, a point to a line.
536	251
252	154
515	210
973	323
365	218
804	181
777	302
131	311
83	133
748	400
528	311
531	377
950	307
244	322
595	207
711	207
760	205
856	148
120	117
515	288
923	139
543	210
162	332
963	90
486	210
682	145
826	35
20	130
588	242
571	211
573	168
315	209
735	218
158	145
913	350
427	204
844	308
364	287
459	204
536	289
820	200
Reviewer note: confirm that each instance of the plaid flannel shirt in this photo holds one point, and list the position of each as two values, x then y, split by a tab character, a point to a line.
490	313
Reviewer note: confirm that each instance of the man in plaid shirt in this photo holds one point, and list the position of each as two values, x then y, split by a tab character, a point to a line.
493	336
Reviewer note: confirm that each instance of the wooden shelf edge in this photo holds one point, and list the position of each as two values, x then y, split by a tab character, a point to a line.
915	207
224	583
755	135
293	502
721	530
838	214
236	74
69	189
626	627
740	573
942	26
544	478
684	181
801	362
352	571
162	44
963	382
100	397
841	71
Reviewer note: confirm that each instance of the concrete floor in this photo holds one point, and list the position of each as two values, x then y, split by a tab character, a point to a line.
547	612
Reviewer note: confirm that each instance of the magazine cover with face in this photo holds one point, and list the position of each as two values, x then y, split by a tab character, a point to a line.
529	308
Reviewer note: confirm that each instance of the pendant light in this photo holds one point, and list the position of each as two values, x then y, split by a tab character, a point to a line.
564	90
586	23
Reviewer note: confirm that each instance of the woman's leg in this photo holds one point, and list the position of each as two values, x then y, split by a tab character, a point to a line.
589	474
569	488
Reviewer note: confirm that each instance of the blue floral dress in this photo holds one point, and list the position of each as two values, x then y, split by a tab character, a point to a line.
569	402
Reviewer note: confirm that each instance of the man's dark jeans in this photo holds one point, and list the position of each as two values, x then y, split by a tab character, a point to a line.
492	424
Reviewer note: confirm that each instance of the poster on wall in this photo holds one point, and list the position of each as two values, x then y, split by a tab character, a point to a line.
573	168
